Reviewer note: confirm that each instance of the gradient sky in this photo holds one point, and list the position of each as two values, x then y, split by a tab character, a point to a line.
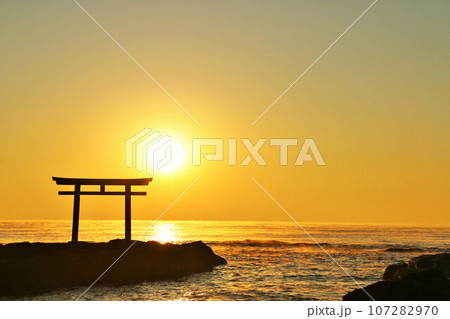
377	106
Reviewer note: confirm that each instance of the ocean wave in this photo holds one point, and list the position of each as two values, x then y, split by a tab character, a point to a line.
271	243
263	243
283	244
404	249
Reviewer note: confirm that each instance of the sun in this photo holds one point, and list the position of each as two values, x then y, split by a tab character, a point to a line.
174	157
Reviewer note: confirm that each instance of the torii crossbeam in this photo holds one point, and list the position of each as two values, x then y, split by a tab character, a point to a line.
77	192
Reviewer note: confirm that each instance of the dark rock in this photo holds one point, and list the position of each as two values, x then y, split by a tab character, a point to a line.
395	271
423	278
36	268
418	264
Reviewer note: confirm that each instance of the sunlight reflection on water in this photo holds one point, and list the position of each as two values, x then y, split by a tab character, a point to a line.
266	260
164	233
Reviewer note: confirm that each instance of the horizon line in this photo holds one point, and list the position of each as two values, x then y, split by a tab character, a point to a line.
245	221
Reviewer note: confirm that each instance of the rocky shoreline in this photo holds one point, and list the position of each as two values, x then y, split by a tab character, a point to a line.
424	278
36	268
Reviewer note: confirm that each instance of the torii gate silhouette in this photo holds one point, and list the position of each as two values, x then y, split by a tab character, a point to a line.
77	192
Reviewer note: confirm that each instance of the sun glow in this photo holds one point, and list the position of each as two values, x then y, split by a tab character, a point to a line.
164	233
175	158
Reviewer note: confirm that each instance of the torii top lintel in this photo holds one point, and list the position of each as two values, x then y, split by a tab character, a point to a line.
101	181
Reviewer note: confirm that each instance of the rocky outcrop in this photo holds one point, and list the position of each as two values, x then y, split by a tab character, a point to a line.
35	268
417	265
422	278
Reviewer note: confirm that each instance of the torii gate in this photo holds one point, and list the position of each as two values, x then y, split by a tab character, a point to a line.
77	192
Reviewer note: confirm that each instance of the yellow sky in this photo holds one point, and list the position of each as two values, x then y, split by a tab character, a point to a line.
376	105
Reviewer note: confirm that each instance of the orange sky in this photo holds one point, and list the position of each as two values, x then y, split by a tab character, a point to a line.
376	105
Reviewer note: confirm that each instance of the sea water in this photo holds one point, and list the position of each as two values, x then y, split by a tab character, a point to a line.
266	260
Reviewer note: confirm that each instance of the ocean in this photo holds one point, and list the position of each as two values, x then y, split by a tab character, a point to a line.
266	260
